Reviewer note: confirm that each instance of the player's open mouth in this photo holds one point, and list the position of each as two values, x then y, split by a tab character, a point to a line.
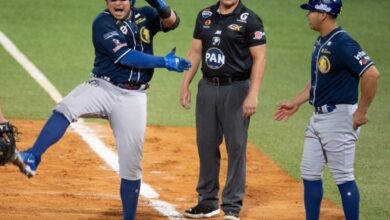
118	10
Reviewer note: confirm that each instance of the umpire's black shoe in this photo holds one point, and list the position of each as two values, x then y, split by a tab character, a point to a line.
201	211
231	216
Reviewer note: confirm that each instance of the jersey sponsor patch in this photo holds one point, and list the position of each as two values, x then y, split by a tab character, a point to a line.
145	35
324	50
362	57
259	35
235	27
207	22
118	45
124	30
215	58
216	41
206	13
243	17
323	64
110	35
140	20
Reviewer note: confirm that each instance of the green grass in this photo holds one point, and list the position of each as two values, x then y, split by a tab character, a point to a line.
55	35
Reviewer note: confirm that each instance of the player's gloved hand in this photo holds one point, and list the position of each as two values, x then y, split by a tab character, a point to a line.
162	8
175	63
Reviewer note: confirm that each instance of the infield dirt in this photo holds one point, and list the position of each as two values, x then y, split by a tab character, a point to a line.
74	183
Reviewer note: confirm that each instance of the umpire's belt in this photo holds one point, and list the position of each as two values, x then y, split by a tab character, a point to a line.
223	81
324	109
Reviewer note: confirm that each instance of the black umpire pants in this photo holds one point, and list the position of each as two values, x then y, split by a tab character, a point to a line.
219	114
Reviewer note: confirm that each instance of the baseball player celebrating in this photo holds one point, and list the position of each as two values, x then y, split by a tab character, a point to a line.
124	62
338	64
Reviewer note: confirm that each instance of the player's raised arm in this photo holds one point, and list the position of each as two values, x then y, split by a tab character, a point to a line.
170	19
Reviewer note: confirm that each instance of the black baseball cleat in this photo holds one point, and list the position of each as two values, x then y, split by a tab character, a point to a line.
201	211
24	167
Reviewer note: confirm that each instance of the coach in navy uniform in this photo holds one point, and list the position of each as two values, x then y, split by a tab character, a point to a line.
229	41
338	64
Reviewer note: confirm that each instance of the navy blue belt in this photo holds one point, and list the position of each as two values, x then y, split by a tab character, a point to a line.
223	81
125	85
324	109
131	86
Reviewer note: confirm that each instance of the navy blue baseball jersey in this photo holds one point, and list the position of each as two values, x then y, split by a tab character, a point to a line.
336	67
113	39
226	40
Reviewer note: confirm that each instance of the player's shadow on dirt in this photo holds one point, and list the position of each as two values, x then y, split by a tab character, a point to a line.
113	213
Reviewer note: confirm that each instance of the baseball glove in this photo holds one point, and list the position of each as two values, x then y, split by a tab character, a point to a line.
8	134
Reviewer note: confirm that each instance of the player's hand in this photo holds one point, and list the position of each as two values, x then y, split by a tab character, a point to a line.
185	97
285	110
249	106
359	119
175	63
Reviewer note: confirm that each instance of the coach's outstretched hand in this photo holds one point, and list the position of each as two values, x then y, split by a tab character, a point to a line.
175	63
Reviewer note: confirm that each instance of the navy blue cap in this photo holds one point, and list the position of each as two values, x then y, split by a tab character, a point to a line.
332	7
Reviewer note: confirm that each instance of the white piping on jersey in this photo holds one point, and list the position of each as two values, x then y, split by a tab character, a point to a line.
134	48
117	60
142	49
317	58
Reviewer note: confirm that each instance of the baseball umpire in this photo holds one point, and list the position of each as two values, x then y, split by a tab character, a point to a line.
123	40
338	64
230	42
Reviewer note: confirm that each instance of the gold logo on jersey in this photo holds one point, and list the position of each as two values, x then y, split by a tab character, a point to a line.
145	35
140	20
235	27
323	64
324	50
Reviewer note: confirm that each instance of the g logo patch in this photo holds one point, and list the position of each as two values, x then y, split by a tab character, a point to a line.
215	58
244	16
323	64
145	35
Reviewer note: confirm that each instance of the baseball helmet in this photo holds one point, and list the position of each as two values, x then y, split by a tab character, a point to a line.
332	7
132	2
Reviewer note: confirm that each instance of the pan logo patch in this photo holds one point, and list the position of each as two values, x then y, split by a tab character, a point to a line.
215	58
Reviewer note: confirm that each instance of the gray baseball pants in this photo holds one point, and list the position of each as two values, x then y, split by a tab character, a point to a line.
219	114
330	140
126	111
